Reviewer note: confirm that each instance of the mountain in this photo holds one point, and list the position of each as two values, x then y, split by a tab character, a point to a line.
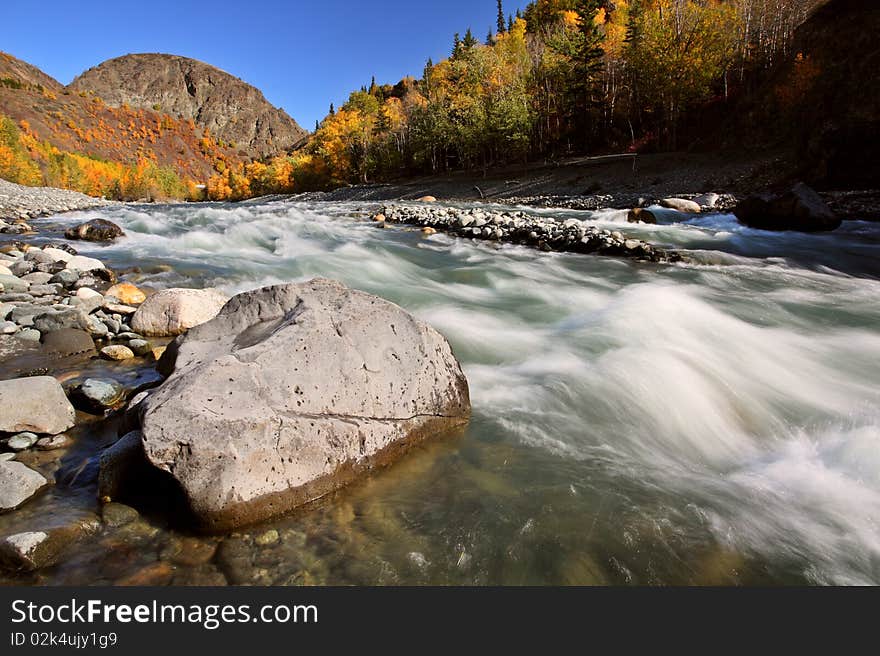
15	72
234	111
83	124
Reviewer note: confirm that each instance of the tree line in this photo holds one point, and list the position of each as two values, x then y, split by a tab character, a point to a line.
563	77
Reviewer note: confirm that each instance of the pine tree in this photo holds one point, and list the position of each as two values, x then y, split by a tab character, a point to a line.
500	17
332	110
373	86
456	44
509	23
589	61
469	41
633	23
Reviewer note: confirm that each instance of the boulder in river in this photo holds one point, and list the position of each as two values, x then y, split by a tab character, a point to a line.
171	312
641	215
95	230
291	392
681	205
18	483
36	404
799	208
95	395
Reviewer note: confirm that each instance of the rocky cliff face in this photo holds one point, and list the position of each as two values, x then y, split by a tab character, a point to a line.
231	109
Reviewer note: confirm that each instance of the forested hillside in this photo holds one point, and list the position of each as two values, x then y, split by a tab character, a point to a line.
564	77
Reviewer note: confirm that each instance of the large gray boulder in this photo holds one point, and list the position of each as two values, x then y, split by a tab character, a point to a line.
292	391
171	312
36	404
799	208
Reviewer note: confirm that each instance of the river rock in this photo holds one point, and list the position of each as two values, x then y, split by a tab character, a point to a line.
21	441
14	284
35	550
58	255
127	294
140	347
173	311
95	230
18	483
36	404
4	270
427	199
81	263
641	215
95	395
117	352
292	391
799	208
67	342
681	205
707	201
53	319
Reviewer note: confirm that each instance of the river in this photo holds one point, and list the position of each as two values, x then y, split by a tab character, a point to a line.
715	421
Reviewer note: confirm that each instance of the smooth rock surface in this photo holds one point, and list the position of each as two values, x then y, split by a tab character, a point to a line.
36	404
18	483
171	312
290	393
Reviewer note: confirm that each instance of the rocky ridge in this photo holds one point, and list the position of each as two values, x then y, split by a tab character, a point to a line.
227	106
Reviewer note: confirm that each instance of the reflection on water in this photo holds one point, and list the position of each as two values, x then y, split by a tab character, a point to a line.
706	423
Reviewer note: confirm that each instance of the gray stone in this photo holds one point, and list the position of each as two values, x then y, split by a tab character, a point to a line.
81	263
36	404
171	312
14	285
65	277
18	483
21	441
8	328
118	462
38	278
96	395
291	392
140	347
28	335
61	318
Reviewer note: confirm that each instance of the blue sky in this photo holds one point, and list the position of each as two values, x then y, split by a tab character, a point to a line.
303	55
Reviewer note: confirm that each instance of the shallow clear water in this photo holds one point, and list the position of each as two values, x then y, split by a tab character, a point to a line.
714	422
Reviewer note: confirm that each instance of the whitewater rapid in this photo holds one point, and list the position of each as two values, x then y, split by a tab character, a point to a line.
728	405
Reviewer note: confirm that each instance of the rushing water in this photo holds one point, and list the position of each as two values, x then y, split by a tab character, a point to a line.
713	422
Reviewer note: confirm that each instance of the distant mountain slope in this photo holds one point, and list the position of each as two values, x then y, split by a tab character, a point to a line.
231	109
14	72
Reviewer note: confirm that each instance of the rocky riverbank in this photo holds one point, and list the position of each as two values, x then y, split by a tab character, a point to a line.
516	227
19	203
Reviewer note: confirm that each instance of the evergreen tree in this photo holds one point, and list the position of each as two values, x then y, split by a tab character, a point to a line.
500	17
332	110
469	40
588	62
456	44
373	86
633	23
509	23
